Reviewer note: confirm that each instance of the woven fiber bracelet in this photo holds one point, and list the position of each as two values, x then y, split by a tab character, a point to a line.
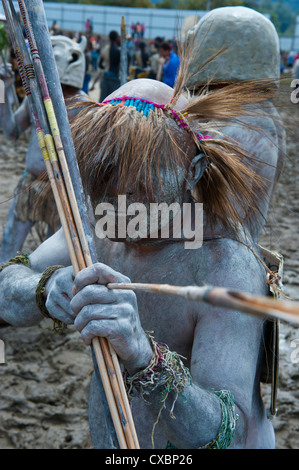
228	422
19	259
166	372
58	325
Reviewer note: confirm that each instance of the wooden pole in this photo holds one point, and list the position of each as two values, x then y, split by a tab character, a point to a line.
112	388
42	128
113	391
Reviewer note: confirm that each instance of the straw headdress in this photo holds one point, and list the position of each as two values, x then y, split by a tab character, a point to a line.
130	137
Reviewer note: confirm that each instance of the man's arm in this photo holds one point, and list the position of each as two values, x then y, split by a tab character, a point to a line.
18	285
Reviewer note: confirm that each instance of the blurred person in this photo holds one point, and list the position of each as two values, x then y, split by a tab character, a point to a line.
95	51
88	26
240	63
154	60
110	67
86	46
142	30
171	64
131	50
138	30
142	58
133	30
54	27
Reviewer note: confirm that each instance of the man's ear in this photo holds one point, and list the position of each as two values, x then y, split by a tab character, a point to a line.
196	170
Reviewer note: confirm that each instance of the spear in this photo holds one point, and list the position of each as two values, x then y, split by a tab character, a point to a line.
104	358
222	297
42	129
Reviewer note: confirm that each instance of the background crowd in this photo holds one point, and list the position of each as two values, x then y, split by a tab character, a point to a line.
156	59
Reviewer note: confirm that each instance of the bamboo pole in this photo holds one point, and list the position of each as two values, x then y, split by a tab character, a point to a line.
32	93
48	138
56	135
124	394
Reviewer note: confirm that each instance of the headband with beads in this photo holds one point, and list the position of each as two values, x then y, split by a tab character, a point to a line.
144	106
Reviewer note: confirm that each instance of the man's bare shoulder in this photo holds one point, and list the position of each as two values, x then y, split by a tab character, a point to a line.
227	262
52	251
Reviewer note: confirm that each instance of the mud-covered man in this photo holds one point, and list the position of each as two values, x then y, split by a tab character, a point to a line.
150	143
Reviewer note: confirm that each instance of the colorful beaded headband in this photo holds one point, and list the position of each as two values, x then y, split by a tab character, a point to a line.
144	106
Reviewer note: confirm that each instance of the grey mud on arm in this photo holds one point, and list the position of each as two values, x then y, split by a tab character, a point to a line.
18	282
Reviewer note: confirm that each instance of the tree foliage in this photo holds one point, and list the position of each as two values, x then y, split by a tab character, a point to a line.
3	37
206	4
112	3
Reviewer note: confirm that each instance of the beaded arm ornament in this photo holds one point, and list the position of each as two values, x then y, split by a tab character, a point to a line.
144	106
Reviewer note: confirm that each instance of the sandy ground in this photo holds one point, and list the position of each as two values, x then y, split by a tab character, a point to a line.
44	382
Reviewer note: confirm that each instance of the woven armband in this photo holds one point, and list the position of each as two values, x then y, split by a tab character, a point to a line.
228	423
19	259
165	370
40	300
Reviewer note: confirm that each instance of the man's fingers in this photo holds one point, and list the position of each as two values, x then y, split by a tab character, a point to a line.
60	310
91	295
93	329
96	316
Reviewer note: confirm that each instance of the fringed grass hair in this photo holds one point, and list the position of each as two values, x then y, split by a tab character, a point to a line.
117	143
129	139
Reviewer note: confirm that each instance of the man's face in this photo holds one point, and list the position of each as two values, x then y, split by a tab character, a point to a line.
166	189
167	184
144	199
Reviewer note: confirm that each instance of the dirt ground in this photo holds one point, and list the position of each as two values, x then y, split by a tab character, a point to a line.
44	382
